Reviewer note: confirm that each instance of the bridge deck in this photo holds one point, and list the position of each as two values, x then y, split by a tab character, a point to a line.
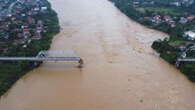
40	58
187	60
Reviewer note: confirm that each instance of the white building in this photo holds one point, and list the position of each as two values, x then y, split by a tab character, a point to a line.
190	35
44	8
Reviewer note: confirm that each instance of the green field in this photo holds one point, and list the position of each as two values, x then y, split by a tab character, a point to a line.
164	11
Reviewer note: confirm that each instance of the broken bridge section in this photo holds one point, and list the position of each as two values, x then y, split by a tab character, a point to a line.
52	55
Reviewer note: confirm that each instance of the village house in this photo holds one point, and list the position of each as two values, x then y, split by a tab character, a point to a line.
183	20
173	25
176	4
190	35
136	4
19	41
20	35
37	36
26	33
44	8
167	18
31	20
157	19
190	18
187	2
3	47
3	50
4	35
21	1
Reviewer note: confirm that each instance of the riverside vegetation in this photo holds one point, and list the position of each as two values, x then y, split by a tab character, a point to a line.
174	17
26	38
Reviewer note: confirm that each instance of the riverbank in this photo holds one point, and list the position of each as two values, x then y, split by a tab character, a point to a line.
10	72
168	18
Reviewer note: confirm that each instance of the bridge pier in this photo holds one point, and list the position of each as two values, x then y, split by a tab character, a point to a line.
177	64
81	62
36	64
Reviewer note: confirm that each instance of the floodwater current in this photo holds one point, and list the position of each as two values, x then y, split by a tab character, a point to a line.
121	71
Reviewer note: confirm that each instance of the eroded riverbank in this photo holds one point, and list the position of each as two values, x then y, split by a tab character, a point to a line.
120	71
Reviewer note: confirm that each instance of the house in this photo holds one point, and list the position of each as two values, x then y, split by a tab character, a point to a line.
43	8
24	26
4	27
183	20
2	43
21	1
19	35
190	18
29	12
182	47
39	29
167	18
32	2
13	18
4	35
26	33
36	37
173	25
20	41
136	4
190	35
9	15
147	18
23	14
36	9
4	50
40	22
187	2
176	3
157	19
31	20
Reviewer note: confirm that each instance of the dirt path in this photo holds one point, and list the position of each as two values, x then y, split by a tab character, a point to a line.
120	72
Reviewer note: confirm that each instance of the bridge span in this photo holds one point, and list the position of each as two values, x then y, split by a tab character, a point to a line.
186	60
46	56
40	58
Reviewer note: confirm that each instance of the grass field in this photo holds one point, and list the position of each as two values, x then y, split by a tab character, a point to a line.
165	11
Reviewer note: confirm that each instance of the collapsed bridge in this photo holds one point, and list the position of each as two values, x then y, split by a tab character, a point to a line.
48	56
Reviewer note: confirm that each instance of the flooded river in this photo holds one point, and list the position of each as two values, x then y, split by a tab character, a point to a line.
120	71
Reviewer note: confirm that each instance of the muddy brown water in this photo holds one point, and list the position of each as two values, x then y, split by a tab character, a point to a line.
120	71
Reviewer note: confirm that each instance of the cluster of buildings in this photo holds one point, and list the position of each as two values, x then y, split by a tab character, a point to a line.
19	22
168	19
138	3
172	21
3	8
182	2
